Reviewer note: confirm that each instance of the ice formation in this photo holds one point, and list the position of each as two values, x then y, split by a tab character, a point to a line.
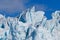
36	27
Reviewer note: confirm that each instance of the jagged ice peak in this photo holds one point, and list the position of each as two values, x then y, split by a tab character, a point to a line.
36	27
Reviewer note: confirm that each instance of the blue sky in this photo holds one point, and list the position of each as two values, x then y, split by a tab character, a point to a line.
14	7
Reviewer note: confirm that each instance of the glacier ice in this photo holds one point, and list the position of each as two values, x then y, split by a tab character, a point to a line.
36	27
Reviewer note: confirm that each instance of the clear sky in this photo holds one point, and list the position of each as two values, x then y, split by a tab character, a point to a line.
14	7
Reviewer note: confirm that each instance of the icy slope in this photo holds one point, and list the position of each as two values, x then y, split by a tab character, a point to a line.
36	27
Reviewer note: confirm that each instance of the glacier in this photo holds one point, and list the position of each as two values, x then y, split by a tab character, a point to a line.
36	27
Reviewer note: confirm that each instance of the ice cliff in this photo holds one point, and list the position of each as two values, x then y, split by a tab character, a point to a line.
36	27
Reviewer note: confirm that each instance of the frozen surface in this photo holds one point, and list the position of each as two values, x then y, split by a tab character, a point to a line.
36	27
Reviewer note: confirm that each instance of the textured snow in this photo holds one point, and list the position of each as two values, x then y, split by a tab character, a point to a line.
36	27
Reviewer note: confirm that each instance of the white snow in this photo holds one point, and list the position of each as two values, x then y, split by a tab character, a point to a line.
36	27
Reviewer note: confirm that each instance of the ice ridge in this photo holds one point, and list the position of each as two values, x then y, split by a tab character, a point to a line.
36	27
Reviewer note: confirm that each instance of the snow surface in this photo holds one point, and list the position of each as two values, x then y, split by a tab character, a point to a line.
36	27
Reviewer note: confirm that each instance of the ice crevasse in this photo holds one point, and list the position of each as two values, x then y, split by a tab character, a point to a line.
36	27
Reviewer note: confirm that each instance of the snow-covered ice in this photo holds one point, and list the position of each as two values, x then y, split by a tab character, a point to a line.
36	27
